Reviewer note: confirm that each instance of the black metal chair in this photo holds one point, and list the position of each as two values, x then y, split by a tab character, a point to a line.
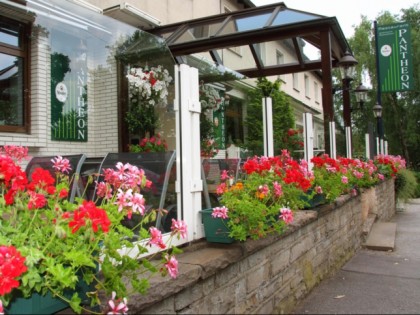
76	162
211	170
158	168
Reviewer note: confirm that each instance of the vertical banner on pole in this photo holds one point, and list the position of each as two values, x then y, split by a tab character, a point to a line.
394	55
333	149
308	139
267	108
348	142
367	144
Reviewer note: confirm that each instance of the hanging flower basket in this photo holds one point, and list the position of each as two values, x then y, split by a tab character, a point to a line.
148	89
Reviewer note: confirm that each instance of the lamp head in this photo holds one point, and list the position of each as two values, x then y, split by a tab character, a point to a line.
347	65
377	110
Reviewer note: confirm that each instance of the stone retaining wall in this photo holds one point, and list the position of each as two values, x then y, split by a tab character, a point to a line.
267	276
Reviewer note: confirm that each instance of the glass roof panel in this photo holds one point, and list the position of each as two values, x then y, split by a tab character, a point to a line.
285	53
230	58
199	32
311	52
209	70
252	22
291	16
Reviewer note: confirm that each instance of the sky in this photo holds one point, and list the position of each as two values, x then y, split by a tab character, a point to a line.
348	13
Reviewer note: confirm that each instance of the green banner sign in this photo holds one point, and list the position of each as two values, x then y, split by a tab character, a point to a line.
394	55
69	119
219	121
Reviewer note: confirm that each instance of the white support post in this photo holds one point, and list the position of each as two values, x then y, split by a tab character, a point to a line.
333	147
189	184
386	148
308	139
367	143
378	147
348	142
267	109
382	146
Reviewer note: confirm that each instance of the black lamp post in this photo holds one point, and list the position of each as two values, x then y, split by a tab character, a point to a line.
377	112
361	93
347	66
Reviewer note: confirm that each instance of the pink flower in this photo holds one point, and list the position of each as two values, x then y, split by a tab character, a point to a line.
156	238
318	189
263	189
381	176
137	203
61	165
123	198
278	191
220	212
103	190
16	152
224	175
286	215
221	188
172	266
179	227
117	305
344	180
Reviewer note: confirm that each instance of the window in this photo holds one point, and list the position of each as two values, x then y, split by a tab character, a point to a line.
280	61
307	89
316	92
296	81
14	112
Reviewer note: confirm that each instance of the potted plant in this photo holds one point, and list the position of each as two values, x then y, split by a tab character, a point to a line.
148	90
262	201
48	246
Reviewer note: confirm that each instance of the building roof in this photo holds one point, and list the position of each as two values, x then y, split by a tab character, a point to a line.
247	29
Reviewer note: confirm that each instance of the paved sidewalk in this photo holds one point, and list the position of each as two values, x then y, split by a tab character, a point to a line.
375	282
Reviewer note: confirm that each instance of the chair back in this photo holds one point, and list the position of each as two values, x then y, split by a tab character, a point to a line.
76	162
158	168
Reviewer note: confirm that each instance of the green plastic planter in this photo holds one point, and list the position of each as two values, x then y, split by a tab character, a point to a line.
316	200
43	304
36	304
215	229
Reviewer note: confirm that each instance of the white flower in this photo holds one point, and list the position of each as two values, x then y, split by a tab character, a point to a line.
149	87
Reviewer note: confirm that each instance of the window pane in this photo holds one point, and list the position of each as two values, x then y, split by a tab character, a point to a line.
9	34
11	87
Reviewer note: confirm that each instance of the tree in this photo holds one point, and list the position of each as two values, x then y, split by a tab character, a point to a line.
401	112
283	118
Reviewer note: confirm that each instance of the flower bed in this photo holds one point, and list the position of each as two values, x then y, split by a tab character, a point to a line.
273	188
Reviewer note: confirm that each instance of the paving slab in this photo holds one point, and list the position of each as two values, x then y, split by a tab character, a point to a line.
381	236
372	281
380	263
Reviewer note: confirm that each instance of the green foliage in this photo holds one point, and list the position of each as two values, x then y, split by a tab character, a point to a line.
283	118
405	185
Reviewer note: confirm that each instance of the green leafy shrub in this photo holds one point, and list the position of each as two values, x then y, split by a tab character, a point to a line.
405	185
